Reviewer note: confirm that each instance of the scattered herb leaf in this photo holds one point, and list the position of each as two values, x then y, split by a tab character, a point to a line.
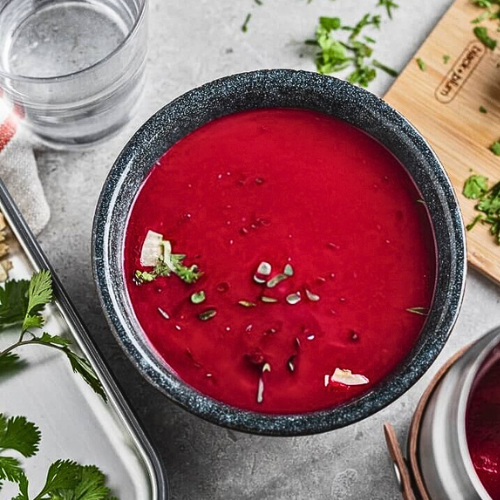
482	109
421	64
336	53
475	187
488	204
482	35
389	5
446	59
244	26
476	219
495	148
383	67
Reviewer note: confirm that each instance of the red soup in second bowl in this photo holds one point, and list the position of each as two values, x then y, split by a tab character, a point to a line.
280	260
483	427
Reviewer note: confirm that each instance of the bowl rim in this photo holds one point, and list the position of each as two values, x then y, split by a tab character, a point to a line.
450	268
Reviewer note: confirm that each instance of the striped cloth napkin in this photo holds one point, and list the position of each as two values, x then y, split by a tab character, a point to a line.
18	169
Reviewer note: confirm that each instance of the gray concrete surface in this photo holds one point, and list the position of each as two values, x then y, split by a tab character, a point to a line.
194	41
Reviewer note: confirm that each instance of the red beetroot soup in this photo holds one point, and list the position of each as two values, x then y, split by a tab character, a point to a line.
483	429
341	226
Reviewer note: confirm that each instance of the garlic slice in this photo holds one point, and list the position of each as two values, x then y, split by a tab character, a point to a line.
346	377
152	249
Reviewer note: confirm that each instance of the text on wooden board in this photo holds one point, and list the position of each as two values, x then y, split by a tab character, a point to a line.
460	72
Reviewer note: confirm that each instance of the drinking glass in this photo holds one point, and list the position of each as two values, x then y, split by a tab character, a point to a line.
73	68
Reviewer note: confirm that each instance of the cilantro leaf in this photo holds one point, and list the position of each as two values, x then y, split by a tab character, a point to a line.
18	434
52	340
23	488
482	35
62	475
9	362
32	322
39	292
22	301
13	302
84	369
475	187
90	487
10	469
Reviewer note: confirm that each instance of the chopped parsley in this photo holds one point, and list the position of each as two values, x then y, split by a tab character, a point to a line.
495	148
385	68
482	109
446	59
244	26
421	64
389	5
475	187
336	53
482	35
488	205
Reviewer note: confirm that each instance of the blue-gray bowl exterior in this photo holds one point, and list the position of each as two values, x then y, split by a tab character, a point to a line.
288	89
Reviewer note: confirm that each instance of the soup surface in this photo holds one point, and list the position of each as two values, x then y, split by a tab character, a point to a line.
316	253
483	429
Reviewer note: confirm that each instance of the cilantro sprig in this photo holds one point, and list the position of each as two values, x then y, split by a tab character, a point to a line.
476	188
389	5
22	303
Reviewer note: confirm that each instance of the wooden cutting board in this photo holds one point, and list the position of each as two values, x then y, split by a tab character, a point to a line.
443	103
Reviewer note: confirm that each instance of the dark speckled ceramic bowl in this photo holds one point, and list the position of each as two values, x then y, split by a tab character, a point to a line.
278	88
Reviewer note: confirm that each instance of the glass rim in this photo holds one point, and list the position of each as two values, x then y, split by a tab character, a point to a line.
52	79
